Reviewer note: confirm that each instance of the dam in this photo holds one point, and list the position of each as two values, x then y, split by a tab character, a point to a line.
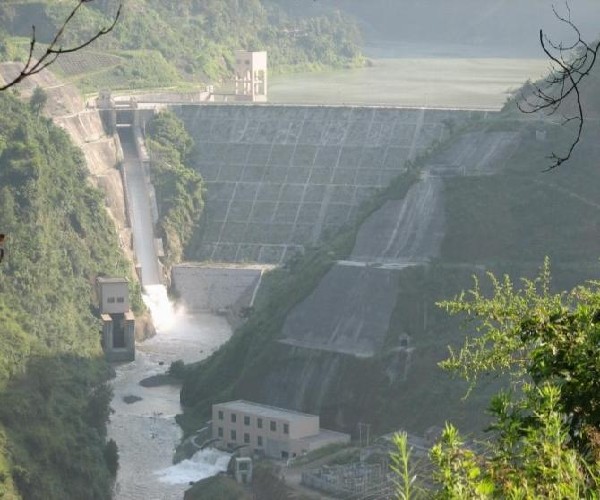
279	178
283	179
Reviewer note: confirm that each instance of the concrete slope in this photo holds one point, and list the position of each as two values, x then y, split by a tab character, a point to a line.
140	209
349	312
404	231
215	287
474	153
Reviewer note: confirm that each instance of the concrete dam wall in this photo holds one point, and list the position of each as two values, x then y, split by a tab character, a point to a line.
280	177
209	287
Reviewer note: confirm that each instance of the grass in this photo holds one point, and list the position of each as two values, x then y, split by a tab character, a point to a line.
319	454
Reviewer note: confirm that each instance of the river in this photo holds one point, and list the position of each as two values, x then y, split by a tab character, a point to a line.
145	430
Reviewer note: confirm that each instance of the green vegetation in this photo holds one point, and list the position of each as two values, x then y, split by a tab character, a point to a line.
219	487
165	44
402	466
544	438
266	485
178	187
319	453
53	400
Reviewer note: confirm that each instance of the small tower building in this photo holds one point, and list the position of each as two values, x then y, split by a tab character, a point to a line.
118	322
250	76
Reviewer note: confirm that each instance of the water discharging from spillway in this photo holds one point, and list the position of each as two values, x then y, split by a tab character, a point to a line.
163	311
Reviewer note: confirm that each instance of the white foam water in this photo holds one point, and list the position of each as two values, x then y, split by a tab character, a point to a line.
205	463
164	314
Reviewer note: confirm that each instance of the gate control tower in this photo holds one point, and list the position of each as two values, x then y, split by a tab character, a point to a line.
250	76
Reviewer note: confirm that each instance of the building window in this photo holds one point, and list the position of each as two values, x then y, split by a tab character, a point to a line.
273	425
120	300
259	423
233	435
220	432
110	300
259	441
246	437
286	428
233	418
246	420
220	415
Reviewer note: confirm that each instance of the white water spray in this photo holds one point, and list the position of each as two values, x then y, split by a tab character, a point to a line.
164	314
205	463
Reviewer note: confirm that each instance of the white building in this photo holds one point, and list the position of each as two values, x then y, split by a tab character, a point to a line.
118	322
274	432
250	76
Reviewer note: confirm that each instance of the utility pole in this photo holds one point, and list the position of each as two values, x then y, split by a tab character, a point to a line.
367	435
360	434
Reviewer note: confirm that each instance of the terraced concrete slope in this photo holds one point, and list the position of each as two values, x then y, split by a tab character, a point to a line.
279	177
350	310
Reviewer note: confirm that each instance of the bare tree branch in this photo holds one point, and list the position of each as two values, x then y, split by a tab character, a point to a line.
570	65
55	49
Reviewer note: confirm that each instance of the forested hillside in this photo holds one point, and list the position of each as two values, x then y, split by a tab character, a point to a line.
178	187
53	397
159	43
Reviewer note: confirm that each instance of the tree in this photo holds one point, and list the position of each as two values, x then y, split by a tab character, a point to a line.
38	100
572	63
111	456
55	49
545	436
546	426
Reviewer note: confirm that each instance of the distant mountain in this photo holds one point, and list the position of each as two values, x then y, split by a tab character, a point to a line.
163	43
509	26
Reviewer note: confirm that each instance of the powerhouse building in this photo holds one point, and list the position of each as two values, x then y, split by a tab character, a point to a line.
270	431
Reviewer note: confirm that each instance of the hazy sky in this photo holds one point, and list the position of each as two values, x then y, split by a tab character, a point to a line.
507	26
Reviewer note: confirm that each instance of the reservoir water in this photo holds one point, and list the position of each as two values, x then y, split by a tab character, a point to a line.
427	81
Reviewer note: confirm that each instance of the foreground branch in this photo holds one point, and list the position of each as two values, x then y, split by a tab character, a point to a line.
55	49
571	64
